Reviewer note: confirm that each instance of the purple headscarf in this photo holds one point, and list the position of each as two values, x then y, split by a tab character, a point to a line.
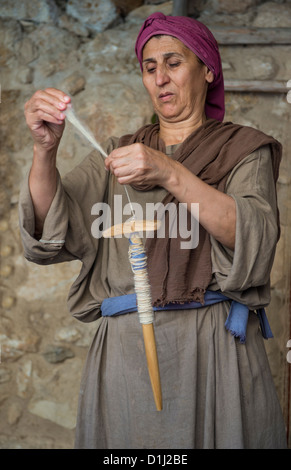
197	37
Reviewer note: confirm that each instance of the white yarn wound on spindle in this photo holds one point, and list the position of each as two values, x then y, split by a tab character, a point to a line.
138	261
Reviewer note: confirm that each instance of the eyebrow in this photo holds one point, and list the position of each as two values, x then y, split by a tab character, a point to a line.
167	55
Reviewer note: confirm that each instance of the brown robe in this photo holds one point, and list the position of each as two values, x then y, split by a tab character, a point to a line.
217	393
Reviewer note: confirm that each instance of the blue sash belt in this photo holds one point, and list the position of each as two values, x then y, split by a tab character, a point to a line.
236	322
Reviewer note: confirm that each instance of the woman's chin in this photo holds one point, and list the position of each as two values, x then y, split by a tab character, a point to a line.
167	114
170	118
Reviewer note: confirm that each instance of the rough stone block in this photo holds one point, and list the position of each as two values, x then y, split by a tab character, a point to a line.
95	16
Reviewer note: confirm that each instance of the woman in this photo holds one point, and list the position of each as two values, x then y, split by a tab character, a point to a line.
217	386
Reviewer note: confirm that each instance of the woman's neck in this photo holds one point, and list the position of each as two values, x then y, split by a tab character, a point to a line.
176	132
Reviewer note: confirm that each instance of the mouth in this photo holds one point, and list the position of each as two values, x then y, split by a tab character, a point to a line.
166	96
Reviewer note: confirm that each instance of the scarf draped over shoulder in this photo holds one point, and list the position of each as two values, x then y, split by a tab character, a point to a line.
210	152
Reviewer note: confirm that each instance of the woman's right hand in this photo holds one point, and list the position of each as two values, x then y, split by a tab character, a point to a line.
45	117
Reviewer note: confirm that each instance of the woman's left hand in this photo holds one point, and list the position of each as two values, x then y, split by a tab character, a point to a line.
138	164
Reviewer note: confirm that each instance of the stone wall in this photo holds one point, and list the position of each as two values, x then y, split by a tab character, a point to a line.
87	50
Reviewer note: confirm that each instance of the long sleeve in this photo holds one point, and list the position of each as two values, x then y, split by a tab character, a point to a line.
244	273
55	226
67	231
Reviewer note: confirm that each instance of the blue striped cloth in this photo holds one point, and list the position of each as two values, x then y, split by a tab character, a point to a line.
236	322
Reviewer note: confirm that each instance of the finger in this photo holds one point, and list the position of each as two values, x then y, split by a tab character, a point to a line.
117	153
124	155
43	110
53	97
125	180
130	150
129	179
123	169
59	94
107	165
42	116
114	160
58	98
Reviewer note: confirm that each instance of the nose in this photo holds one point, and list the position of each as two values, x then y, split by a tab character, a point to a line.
162	77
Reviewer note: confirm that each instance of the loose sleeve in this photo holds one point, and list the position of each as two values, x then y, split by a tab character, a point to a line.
244	274
67	228
55	226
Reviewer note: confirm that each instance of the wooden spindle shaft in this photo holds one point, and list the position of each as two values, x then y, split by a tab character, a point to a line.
153	364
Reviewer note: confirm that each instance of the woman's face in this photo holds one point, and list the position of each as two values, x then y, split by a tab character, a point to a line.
174	78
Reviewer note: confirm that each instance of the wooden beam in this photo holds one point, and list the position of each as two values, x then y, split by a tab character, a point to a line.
243	36
256	86
180	8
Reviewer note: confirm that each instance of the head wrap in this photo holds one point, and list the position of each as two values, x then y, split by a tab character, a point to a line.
197	37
